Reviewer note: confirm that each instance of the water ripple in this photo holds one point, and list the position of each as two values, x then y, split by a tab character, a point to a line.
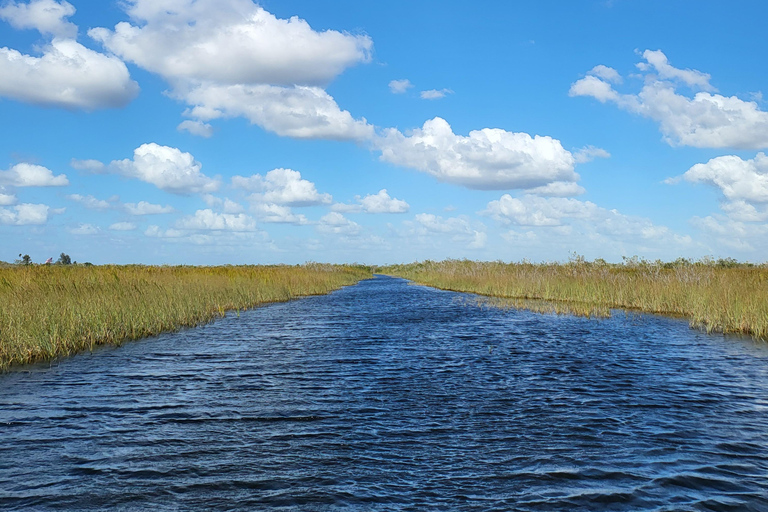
387	396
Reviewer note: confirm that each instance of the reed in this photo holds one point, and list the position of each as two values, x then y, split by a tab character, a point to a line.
48	311
721	296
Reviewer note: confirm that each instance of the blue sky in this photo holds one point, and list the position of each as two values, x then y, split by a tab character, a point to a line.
228	131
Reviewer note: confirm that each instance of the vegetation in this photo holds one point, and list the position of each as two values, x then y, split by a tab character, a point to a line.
721	295
55	310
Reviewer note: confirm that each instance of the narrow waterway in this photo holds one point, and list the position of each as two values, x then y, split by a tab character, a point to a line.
388	396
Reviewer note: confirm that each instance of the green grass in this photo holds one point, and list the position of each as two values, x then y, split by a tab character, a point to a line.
720	296
50	311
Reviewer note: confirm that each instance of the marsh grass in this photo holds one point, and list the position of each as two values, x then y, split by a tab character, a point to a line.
719	296
50	311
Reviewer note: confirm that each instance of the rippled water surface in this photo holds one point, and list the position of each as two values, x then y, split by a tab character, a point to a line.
385	396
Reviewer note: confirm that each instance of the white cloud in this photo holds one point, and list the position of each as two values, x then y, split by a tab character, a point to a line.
198	128
458	230
737	179
210	220
89	166
606	73
658	61
539	211
145	208
335	223
30	175
558	189
275	213
400	86
743	211
706	120
90	202
157	232
435	94
7	199
84	229
734	234
24	214
167	168
536	211
301	112
589	153
383	203
226	205
45	16
231	58
283	187
488	159
68	75
230	42
374	203
123	226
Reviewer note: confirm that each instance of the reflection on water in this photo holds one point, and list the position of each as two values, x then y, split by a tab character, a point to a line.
387	396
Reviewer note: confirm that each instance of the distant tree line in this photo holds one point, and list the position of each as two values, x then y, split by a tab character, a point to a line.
64	259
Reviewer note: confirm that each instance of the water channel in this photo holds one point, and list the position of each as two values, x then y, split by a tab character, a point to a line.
389	396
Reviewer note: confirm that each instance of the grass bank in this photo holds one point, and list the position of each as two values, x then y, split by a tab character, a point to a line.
47	311
721	296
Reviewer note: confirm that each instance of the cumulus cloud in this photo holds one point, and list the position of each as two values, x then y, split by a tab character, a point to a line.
435	94
67	74
337	224
230	42
167	168
374	203
459	230
555	212
606	73
278	214
743	211
705	120
301	112
737	179
157	232
232	58
558	189
210	220
24	214
7	199
488	159
90	201
31	175
283	187
400	86
198	128
657	61
123	226
734	234
46	16
226	205
146	208
85	230
589	153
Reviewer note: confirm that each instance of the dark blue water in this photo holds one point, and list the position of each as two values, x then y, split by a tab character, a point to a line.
385	396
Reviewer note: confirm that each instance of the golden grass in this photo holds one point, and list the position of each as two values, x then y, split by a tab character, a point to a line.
51	310
718	296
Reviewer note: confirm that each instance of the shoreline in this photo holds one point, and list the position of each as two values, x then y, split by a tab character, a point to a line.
55	311
711	297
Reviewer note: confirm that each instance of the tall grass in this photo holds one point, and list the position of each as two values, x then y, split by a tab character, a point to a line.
52	310
715	295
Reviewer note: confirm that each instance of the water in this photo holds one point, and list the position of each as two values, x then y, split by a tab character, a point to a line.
385	396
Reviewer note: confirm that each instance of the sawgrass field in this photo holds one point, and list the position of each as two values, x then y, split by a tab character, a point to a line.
50	311
716	295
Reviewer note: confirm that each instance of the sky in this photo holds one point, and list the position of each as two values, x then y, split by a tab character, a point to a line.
210	132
